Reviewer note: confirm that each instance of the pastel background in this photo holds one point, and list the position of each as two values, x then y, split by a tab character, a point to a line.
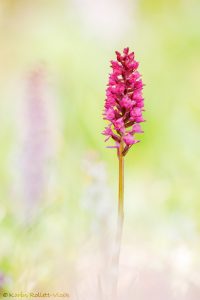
58	191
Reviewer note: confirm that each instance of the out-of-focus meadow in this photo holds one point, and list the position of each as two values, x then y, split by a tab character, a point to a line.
58	195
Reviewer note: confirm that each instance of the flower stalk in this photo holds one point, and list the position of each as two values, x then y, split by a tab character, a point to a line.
121	184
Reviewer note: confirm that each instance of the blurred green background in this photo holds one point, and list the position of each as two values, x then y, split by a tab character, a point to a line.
74	42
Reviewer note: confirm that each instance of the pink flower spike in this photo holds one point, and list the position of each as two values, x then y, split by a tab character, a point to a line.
124	100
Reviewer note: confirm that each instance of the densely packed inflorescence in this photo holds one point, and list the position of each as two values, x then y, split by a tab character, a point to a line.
124	101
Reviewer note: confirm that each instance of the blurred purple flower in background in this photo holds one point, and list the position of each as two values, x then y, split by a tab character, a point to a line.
36	140
36	145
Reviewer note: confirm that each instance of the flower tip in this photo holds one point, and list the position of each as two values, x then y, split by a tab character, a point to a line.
126	50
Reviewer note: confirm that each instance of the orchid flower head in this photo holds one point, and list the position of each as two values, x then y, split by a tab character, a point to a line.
124	103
